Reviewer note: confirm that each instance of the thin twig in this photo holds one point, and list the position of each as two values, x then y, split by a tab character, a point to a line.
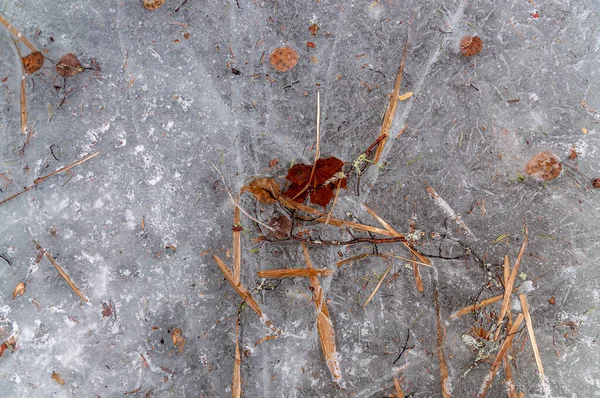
236	385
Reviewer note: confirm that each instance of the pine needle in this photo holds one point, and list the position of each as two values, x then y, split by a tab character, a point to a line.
294	272
244	294
399	392
378	286
445	382
478	306
506	344
63	273
511	280
324	324
237	244
17	34
236	385
391	110
534	346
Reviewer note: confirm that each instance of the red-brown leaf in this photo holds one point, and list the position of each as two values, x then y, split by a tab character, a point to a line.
320	192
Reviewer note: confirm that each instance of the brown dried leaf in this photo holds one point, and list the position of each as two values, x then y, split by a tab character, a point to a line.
68	65
33	62
153	4
283	59
470	45
265	190
19	290
58	378
596	182
323	181
544	166
178	339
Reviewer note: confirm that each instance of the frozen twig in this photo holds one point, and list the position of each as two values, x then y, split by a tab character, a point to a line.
237	244
16	33
449	212
445	381
294	272
236	385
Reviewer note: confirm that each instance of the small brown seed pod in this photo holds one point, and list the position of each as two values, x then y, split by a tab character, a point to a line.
470	45
596	182
33	62
153	4
283	59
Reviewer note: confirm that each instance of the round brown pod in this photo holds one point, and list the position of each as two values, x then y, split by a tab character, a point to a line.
33	62
470	45
153	4
68	65
596	182
544	166
283	59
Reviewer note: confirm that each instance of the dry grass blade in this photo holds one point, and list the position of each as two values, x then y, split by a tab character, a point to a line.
506	344
410	260
294	272
393	232
237	245
23	97
266	338
534	346
317	149
391	110
332	221
399	392
511	389
511	280
324	324
236	386
476	307
63	273
378	286
448	211
440	347
17	194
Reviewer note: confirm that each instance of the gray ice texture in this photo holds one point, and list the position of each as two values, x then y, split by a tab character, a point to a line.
161	102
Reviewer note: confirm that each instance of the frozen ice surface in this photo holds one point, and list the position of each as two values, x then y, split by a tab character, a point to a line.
165	104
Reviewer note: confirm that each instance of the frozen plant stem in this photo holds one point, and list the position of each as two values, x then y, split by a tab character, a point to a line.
449	212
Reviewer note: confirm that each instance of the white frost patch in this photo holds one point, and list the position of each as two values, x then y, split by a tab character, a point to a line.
533	97
98	204
526	287
15	379
92	259
130	219
185	104
169	125
156	179
139	149
93	134
177	176
515	305
4	310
